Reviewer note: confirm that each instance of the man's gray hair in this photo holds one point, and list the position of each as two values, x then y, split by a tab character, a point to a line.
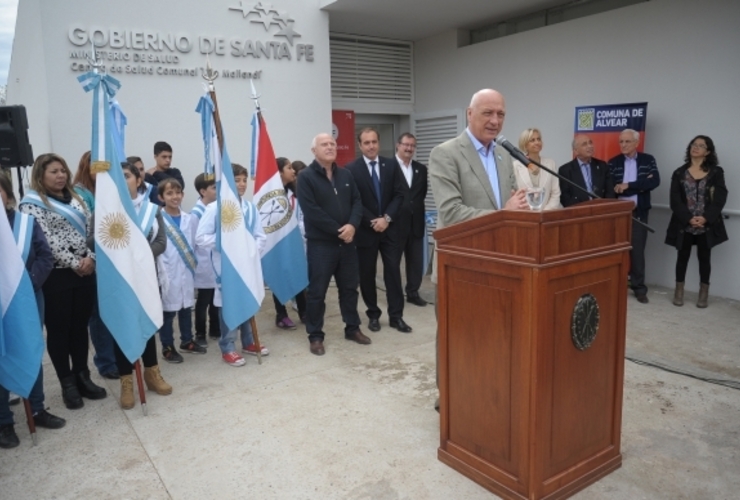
635	134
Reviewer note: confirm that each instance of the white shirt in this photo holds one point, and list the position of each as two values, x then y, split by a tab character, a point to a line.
408	171
370	168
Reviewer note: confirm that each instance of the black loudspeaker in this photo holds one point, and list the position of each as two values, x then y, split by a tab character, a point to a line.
15	150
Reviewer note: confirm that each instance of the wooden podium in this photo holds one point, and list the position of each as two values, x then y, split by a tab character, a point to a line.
530	399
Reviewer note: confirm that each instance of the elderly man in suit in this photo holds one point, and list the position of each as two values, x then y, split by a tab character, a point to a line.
470	176
634	175
379	183
588	172
411	219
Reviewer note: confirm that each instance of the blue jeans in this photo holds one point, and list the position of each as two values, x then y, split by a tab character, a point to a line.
184	319
226	342
102	341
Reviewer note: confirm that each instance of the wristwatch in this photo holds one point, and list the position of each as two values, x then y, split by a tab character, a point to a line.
388	218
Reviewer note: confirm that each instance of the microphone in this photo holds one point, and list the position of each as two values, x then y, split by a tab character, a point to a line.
513	150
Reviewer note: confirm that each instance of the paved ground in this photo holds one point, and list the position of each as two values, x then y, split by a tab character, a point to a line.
358	424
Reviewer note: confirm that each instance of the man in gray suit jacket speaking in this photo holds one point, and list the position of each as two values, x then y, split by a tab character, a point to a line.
470	176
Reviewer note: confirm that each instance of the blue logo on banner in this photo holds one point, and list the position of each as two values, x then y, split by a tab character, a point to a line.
611	118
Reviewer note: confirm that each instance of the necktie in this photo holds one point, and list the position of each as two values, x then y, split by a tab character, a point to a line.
376	184
587	176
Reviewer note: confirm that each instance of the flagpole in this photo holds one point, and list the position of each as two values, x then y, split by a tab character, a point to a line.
210	75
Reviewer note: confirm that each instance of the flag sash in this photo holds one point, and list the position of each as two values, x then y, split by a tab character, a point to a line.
146	216
177	238
22	232
77	219
198	210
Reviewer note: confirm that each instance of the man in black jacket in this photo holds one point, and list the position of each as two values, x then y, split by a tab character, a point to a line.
331	214
586	171
634	175
411	217
379	183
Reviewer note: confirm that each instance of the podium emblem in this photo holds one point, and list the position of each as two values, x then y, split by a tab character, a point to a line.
584	322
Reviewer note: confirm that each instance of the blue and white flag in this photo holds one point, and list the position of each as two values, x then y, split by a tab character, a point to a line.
128	292
284	261
429	221
240	278
21	340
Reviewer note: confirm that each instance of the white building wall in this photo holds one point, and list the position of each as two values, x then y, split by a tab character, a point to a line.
295	95
681	56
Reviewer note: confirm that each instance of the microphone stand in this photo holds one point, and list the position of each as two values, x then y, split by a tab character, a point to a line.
519	155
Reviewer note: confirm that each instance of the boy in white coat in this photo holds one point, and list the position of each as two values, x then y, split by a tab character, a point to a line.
206	238
205	278
177	268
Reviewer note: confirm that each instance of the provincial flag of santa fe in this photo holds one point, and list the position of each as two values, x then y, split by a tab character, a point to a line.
284	264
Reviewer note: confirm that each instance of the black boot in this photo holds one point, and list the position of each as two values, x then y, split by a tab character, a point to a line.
70	394
87	388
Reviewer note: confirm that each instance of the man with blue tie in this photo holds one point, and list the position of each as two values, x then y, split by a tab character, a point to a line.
379	182
586	171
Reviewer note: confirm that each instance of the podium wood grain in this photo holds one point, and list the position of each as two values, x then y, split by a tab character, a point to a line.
523	412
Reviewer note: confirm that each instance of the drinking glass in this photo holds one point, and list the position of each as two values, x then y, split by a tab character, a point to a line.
535	198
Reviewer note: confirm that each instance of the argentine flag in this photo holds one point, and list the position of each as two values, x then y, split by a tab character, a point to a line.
21	340
128	292
284	261
240	273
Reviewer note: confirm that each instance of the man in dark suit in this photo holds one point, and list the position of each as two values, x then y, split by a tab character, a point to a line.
378	180
586	171
411	223
634	175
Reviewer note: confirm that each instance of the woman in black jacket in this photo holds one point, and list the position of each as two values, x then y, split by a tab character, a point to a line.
698	194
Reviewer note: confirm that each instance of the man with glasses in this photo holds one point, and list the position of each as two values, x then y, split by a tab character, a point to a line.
411	221
634	175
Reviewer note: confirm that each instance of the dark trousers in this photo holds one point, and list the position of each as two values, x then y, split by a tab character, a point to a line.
280	310
148	357
390	251
204	307
66	314
637	258
702	251
324	261
413	254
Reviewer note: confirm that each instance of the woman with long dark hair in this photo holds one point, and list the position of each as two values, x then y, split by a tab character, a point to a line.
69	292
698	195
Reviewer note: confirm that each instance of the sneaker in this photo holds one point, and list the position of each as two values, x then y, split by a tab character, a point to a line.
252	349
171	355
201	340
286	324
48	421
233	359
192	348
8	437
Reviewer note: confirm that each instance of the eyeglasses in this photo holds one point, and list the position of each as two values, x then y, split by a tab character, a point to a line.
699	146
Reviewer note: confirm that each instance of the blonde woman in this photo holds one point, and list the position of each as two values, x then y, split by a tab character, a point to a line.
530	142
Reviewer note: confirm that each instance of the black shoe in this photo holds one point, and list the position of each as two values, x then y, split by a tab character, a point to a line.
215	335
48	421
642	298
111	375
200	339
70	393
8	437
192	348
400	325
87	388
14	401
416	300
171	355
374	325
